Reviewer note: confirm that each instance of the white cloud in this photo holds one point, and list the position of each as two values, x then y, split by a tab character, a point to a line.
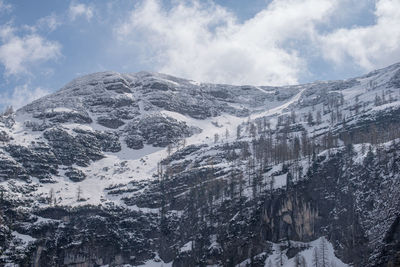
207	43
79	9
50	22
21	96
19	53
4	7
371	46
6	31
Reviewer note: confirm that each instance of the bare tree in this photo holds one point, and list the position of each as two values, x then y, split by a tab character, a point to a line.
310	119
216	138
378	100
315	258
79	194
296	147
169	150
2	190
183	143
226	133
323	249
280	256
293	116
299	260
241	183
357	105
319	117
238	130
51	198
271	184
253	130
8	111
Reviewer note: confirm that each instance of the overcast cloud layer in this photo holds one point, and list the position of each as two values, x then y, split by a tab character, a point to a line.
281	42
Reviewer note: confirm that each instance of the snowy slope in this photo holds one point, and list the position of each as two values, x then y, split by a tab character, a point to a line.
121	167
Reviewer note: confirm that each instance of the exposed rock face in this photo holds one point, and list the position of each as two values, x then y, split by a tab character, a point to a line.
104	101
73	150
291	215
119	95
113	123
75	175
110	237
10	169
63	116
107	141
7	120
134	140
38	161
81	148
161	131
4	137
155	130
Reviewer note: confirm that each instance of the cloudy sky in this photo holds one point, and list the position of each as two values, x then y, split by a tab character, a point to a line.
46	43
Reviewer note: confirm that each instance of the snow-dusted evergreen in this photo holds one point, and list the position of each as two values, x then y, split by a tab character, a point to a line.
150	169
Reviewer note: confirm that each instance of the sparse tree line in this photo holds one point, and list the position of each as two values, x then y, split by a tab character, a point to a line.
247	183
385	97
7	111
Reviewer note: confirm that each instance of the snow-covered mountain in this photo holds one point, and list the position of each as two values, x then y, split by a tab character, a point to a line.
150	169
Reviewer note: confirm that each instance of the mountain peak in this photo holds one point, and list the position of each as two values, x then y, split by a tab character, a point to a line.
171	170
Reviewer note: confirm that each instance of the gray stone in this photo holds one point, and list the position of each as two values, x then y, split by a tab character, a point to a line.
134	141
75	175
112	123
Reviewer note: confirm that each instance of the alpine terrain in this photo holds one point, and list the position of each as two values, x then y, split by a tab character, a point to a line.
146	169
